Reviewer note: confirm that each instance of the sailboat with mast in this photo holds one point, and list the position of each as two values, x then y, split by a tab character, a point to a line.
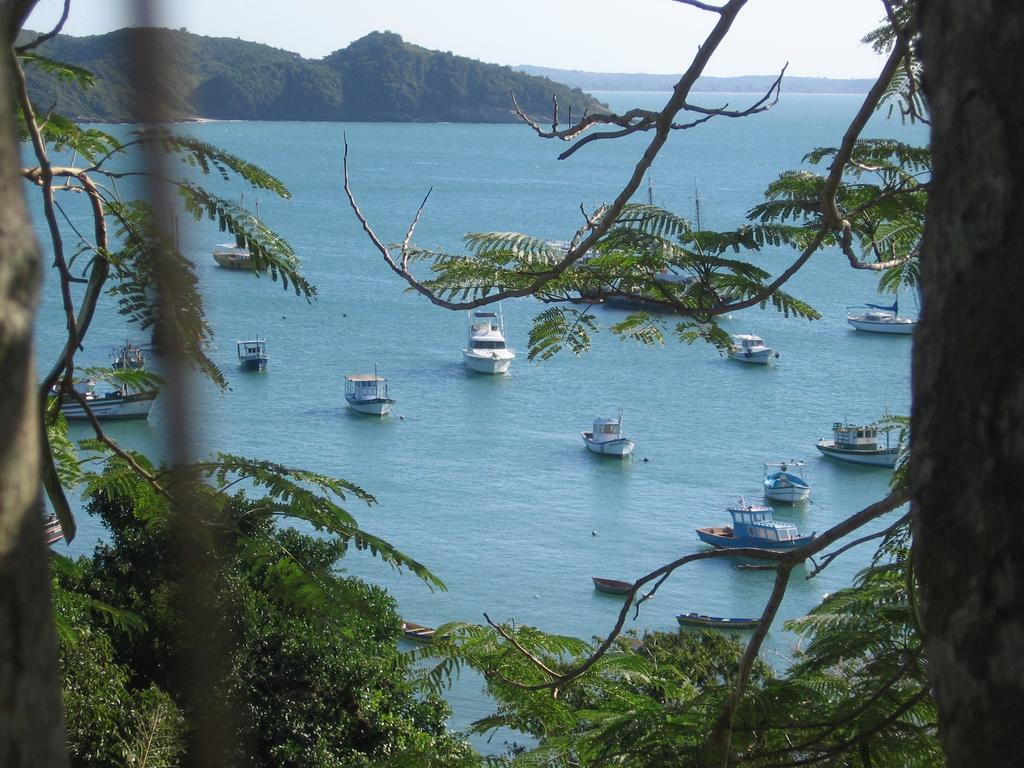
235	255
878	318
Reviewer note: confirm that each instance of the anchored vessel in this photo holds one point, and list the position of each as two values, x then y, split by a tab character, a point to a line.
785	481
486	350
753	525
252	354
114	405
692	619
878	319
859	445
607	438
611	586
368	393
748	348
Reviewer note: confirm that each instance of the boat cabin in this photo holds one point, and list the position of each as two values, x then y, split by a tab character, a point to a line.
365	386
486	331
128	357
606	430
757	522
852	437
749	341
252	354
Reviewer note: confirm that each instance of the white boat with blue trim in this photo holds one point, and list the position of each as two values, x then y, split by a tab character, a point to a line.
753	525
118	404
785	481
606	438
368	393
748	348
486	350
874	318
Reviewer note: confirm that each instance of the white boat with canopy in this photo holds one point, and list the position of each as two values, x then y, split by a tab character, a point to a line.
486	350
748	348
786	481
606	438
368	393
859	445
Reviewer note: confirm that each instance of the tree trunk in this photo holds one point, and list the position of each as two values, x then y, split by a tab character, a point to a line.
31	723
967	478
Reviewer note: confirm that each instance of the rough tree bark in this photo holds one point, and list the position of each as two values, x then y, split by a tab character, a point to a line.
968	453
31	723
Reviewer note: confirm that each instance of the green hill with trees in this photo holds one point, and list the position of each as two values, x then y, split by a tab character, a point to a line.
377	78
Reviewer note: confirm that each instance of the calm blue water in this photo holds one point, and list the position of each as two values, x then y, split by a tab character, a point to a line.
485	480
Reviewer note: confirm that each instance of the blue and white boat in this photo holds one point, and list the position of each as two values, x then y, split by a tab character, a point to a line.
252	354
785	481
119	404
753	525
874	318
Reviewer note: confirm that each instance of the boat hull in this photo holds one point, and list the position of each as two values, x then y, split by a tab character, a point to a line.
715	622
900	326
234	260
881	457
620	448
255	363
723	538
417	632
791	495
378	406
753	358
491	364
611	586
111	407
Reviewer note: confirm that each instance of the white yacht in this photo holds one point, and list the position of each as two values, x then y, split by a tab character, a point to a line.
486	350
368	393
748	348
606	438
876	319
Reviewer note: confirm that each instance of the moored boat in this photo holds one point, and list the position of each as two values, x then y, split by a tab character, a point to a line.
252	354
692	619
859	445
230	256
753	525
418	632
748	348
52	532
611	586
486	350
119	404
128	357
785	481
879	319
368	393
606	438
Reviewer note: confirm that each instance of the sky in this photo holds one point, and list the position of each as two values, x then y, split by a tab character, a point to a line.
818	38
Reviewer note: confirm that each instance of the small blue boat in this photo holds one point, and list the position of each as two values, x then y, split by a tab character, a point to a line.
753	525
784	481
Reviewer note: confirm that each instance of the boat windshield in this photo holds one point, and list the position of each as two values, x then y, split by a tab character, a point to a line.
478	344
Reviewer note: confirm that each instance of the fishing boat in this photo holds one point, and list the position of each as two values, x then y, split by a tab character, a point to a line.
785	481
418	632
486	350
252	354
748	348
715	622
368	393
119	404
859	445
606	438
611	586
52	532
230	256
128	358
753	525
874	318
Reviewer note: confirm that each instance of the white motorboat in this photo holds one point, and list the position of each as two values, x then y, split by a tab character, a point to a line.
368	393
876	319
607	439
859	445
785	481
486	350
748	348
252	354
120	404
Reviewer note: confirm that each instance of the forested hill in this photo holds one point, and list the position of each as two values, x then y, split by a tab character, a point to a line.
377	78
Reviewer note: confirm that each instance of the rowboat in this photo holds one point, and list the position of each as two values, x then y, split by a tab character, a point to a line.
611	586
715	622
417	632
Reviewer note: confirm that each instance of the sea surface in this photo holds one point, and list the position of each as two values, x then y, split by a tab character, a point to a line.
484	479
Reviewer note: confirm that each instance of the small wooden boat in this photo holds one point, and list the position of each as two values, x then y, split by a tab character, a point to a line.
753	525
715	622
368	393
859	445
611	586
417	632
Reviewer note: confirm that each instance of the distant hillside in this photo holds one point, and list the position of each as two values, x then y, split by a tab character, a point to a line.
377	78
610	81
